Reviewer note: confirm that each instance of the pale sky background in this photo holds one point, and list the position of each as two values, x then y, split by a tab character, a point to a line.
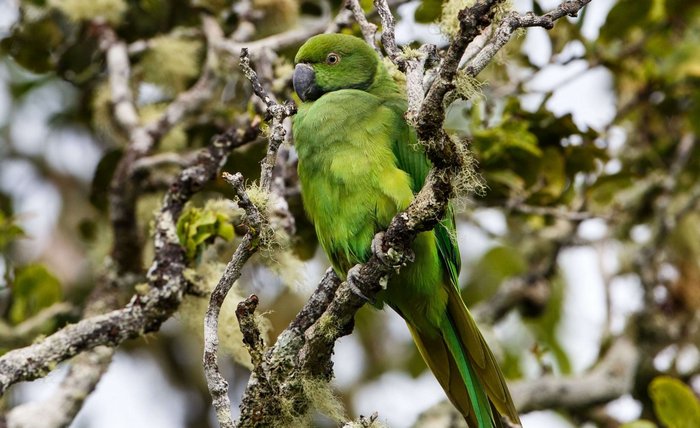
134	380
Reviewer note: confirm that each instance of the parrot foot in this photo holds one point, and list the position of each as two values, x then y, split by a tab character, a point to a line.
390	258
352	274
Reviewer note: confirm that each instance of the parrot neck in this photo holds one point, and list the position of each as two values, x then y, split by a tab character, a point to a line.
383	84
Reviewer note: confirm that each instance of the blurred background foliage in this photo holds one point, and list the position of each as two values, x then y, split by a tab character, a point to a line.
585	136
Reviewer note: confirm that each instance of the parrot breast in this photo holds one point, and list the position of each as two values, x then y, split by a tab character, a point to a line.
351	187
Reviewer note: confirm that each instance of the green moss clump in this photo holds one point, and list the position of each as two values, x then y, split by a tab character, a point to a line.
468	87
171	62
192	310
322	398
449	23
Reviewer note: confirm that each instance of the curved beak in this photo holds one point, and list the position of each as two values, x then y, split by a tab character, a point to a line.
304	81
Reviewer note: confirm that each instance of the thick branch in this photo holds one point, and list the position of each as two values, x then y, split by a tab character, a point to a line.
610	379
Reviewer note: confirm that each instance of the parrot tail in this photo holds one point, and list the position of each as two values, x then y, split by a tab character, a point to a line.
462	362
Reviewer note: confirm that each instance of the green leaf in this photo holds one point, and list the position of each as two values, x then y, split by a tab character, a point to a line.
626	14
495	266
34	289
511	136
9	231
693	116
639	424
198	227
606	189
34	40
552	176
428	11
675	403
99	188
683	61
583	158
504	177
545	325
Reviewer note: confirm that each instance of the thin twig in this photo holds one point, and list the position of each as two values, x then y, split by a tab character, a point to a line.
664	217
557	212
245	313
389	33
298	35
218	387
514	21
369	30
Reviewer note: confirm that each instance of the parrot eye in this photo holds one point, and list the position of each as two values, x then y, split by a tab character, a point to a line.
332	59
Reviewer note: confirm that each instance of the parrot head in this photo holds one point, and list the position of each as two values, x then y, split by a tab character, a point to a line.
329	62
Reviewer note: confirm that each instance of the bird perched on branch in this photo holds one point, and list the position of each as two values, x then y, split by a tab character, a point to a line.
359	165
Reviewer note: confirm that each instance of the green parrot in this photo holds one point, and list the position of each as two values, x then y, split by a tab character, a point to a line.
359	165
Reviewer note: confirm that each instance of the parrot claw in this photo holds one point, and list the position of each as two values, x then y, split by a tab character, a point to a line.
390	258
377	247
352	273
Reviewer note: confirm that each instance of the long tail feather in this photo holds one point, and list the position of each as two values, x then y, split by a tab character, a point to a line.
477	396
456	377
480	356
466	369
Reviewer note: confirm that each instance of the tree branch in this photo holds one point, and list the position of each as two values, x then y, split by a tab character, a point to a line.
369	30
218	387
87	369
245	313
389	33
514	21
665	219
610	379
295	36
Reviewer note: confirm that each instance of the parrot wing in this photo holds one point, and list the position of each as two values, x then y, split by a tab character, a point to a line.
412	159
